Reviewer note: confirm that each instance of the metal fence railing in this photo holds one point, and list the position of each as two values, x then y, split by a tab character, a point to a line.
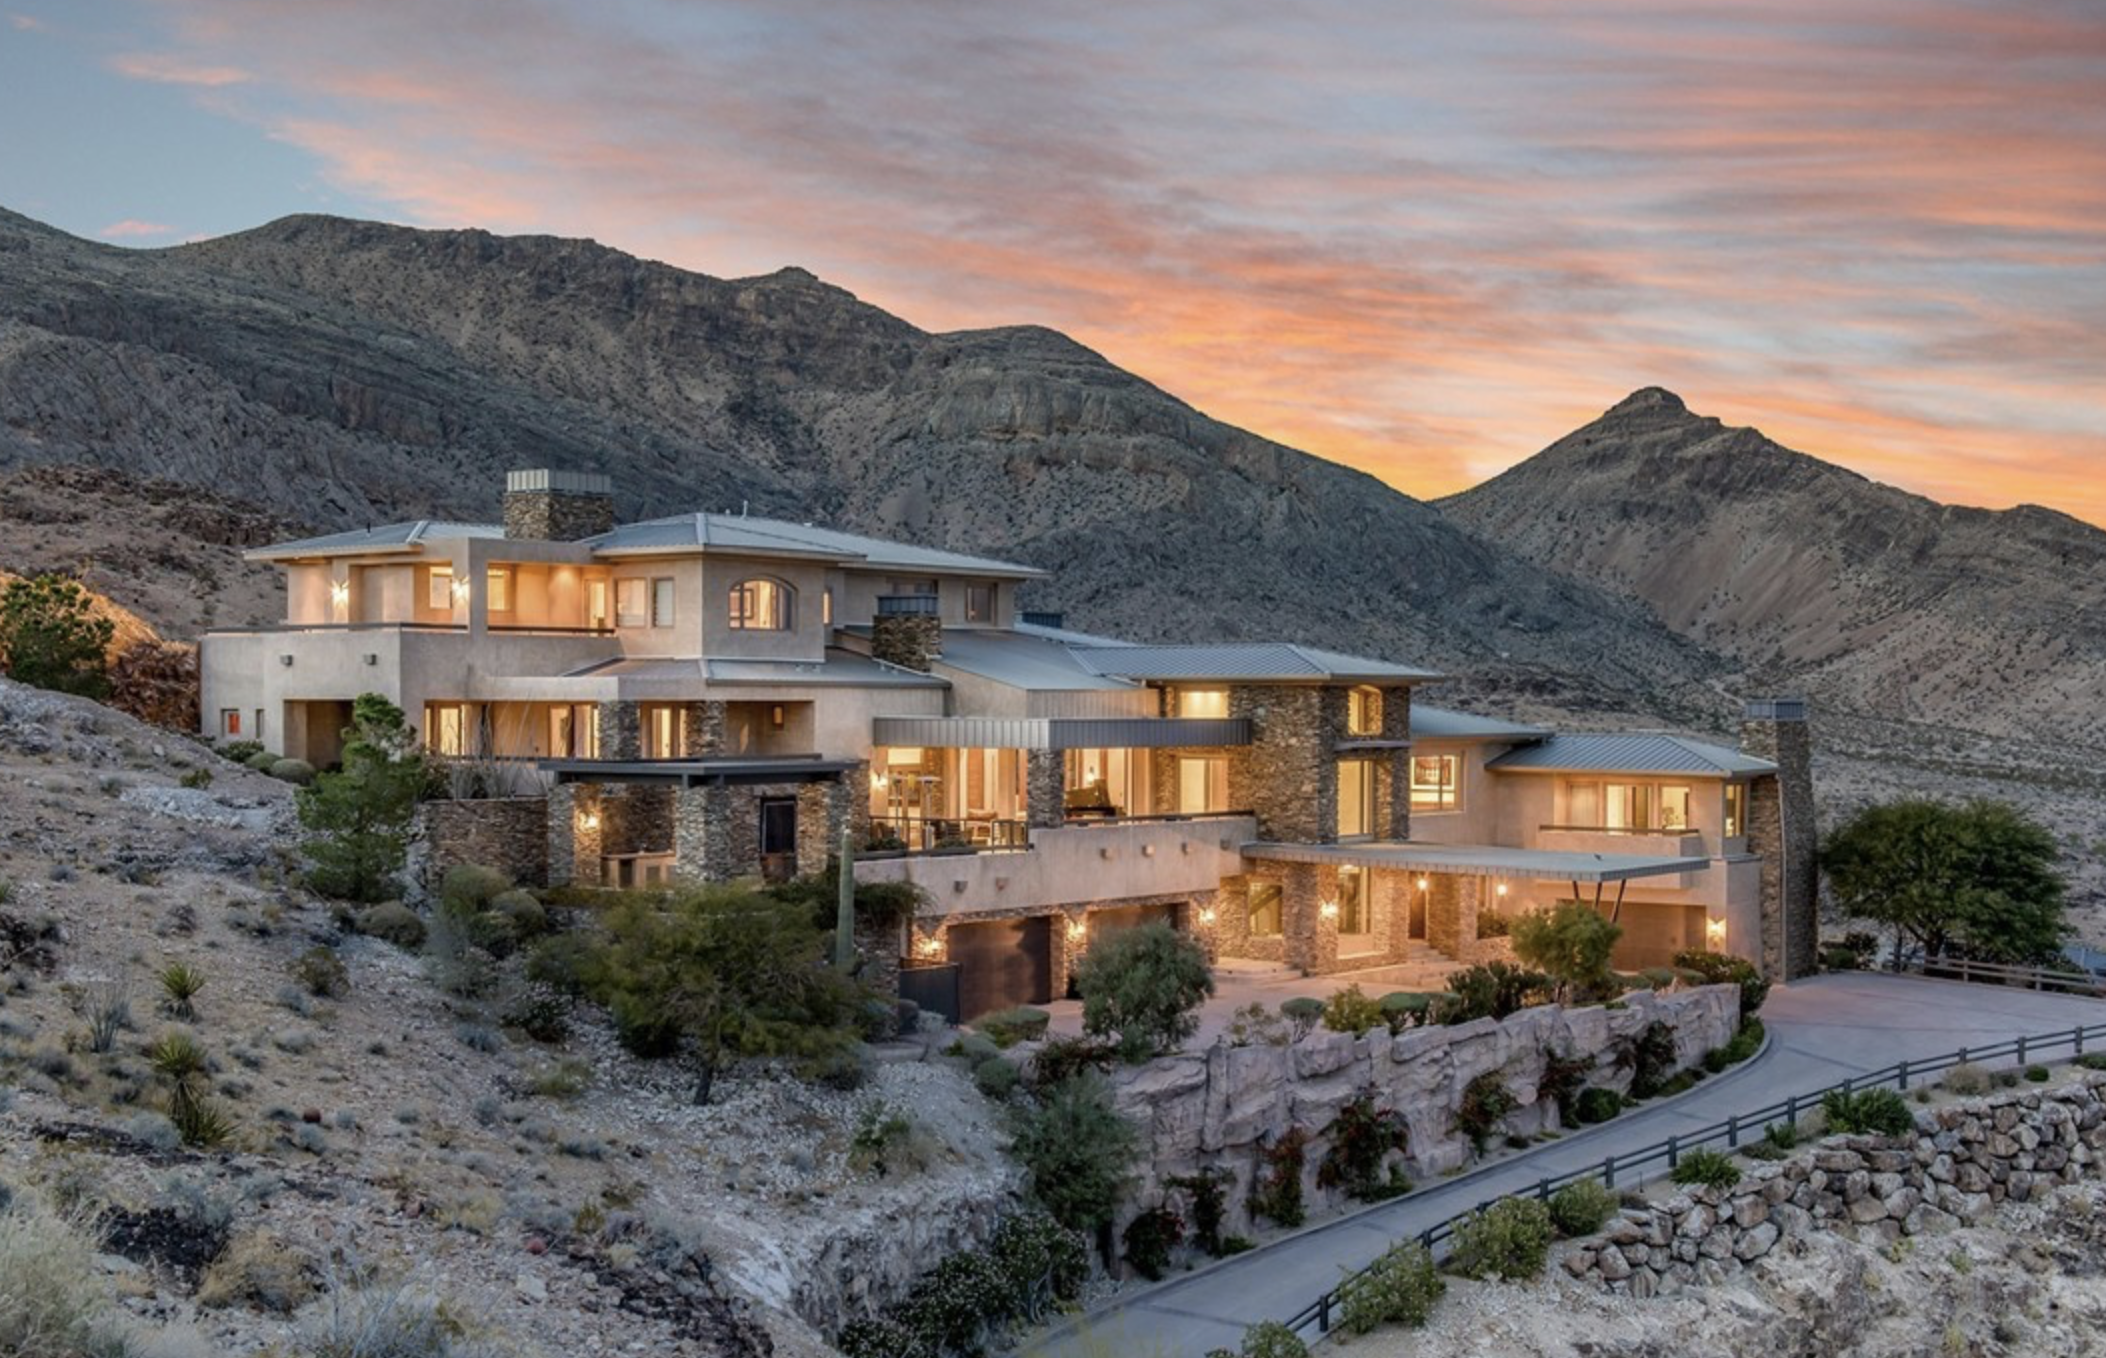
1999	973
1632	1167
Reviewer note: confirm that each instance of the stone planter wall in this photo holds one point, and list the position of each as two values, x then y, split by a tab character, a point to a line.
509	834
1215	1108
1963	1161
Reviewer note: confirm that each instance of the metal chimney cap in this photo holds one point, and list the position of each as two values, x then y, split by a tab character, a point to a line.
1775	709
559	482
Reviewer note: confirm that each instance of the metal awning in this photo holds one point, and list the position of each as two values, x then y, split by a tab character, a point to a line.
1060	733
696	772
1480	860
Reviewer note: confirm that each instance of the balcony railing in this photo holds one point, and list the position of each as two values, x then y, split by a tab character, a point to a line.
1165	818
928	835
1616	830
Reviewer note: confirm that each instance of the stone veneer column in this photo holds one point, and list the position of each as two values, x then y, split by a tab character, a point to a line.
620	730
1311	936
910	641
574	847
1782	831
1045	788
1288	774
702	728
1396	725
823	811
1200	920
702	850
1451	913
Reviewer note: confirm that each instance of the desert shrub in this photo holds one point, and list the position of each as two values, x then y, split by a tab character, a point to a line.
1145	987
1266	1339
995	1077
1351	1011
1486	1101
177	1058
1494	924
1403	1009
1493	990
1651	1057
295	771
1706	1168
975	1048
564	1080
200	777
107	1007
260	761
1509	1239
359	815
373	1318
1967	1079
1562	1080
2089	1060
1276	1190
1720	969
887	1143
393	922
1876	1112
322	972
1362	1137
1304	1012
257	1270
51	636
539	1011
562	960
1596	1104
473	886
180	984
1255	1024
1580	1207
2037	1074
54	1302
1569	943
1399	1288
1747	1040
1149	1239
1062	1058
1209	1206
523	909
239	751
971	1299
1078	1152
1007	1027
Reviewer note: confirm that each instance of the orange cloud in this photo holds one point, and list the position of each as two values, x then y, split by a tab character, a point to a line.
132	228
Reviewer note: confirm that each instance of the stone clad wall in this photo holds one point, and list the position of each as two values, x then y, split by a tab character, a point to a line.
1962	1162
1215	1108
507	833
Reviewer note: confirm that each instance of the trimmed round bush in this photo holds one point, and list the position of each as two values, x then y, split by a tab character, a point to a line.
297	771
261	761
523	908
977	1047
1399	1288
1510	1240
1580	1208
995	1077
1305	1011
1008	1027
395	923
1596	1104
474	886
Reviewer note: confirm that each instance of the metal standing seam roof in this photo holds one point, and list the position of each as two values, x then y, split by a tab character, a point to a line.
1277	661
841	668
414	533
780	537
1630	752
1481	860
1443	723
1021	660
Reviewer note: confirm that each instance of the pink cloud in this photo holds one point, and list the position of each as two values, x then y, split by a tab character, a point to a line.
132	228
168	69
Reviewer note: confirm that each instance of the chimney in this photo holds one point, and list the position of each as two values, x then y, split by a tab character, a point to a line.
1782	832
557	506
907	631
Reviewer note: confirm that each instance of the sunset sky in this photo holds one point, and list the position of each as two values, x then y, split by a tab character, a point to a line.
1424	238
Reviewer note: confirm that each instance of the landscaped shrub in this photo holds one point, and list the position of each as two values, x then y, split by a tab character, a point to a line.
1399	1288
1711	1169
322	974
1561	1082
1493	990
1351	1011
541	1012
1510	1240
2037	1074
1485	1103
1571	944
1718	968
260	761
2089	1060
1078	1151
995	1077
1596	1104
1778	1141
971	1299
393	922
1150	1237
1362	1137
1580	1207
1967	1079
1876	1112
1403	1009
1145	987
1266	1339
1651	1056
1254	1023
1276	1190
1304	1012
523	909
1007	1027
1063	1057
295	771
472	886
1209	1206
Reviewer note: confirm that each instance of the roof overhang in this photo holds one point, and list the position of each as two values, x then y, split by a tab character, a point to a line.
1060	733
1479	860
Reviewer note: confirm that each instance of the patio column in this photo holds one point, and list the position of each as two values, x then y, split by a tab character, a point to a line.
1200	919
702	850
1451	913
574	829
1045	788
1311	935
620	730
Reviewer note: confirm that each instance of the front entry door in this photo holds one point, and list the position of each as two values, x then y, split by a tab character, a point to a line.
778	838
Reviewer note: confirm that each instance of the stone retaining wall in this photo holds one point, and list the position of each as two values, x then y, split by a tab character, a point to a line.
1215	1108
506	833
1963	1161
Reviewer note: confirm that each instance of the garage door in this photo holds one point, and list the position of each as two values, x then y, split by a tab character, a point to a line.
1654	933
1005	963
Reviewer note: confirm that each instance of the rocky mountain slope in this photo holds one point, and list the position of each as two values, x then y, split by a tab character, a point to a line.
1883	604
341	372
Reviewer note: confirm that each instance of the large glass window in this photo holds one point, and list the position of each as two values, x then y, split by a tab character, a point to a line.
446	728
574	731
760	606
1202	785
1264	909
1627	806
1356	798
1736	810
1352	901
1436	782
438	587
662	733
1674	808
1108	782
632	602
498	589
1202	702
1364	712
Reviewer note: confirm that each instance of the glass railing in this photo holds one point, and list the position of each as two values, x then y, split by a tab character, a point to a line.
937	834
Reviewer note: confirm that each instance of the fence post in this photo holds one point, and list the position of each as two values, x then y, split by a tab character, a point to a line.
1791	1110
2080	1039
1543	1190
1323	1314
1608	1172
1672	1143
1963	1057
2021	1049
1902	1073
1426	1239
1733	1131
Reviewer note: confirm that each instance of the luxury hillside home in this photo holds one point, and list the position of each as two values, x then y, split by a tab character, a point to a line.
710	696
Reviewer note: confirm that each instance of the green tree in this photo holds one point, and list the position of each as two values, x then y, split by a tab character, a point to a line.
1571	945
1977	878
51	638
1079	1152
1146	986
722	972
360	815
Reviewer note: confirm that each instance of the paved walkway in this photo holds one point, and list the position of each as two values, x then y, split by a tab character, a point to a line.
1822	1030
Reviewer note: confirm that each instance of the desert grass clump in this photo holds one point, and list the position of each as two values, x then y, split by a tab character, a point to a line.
1706	1168
180	984
257	1270
53	1303
322	972
107	1007
373	1318
1579	1208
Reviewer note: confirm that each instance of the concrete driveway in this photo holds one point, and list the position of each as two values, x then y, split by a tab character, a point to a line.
1822	1030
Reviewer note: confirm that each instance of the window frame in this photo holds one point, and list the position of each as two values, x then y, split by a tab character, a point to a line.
230	722
438	588
1363	710
1362	772
497	589
1276	895
1436	804
979	603
1200	703
741	598
640	615
1734	820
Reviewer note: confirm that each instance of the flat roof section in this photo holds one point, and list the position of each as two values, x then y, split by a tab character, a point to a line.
1479	860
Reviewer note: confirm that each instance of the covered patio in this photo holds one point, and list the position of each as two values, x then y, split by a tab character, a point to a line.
1323	908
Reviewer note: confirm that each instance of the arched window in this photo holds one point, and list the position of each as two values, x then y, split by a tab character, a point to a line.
761	605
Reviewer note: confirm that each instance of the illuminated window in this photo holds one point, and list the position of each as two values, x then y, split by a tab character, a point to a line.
1264	909
230	721
1674	808
1202	702
760	606
1736	810
1364	712
1202	786
632	602
1352	901
1356	798
439	589
498	584
446	728
662	601
826	608
574	731
662	731
1436	782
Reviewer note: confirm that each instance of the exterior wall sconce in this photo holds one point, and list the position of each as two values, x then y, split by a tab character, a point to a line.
460	592
1715	932
928	946
1206	914
879	780
1502	889
372	659
1329	909
340	597
589	821
1424	884
1104	853
285	660
1078	929
776	717
1148	851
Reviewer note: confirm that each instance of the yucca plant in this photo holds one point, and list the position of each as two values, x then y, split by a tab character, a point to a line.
177	1058
180	983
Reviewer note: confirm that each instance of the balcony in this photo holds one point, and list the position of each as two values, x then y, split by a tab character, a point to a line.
1614	840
